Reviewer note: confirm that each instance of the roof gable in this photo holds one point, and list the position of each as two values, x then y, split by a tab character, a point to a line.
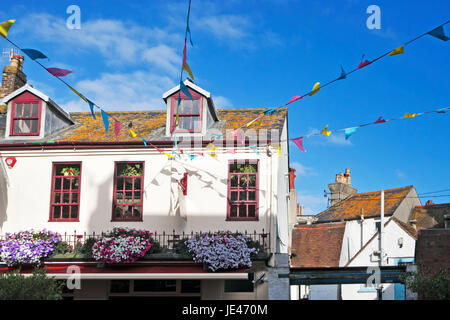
367	203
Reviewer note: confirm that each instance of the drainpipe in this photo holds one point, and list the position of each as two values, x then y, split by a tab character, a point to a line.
380	287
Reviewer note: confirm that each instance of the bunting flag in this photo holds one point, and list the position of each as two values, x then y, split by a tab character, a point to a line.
143	140
188	70
58	72
396	51
105	120
192	156
237	133
233	151
299	143
362	64
269	111
91	106
185	90
211	147
255	121
343	74
79	94
315	89
254	148
409	115
132	133
380	120
184	53
4	27
214	155
168	155
278	147
294	98
437	33
117	127
443	110
190	36
325	132
34	54
349	131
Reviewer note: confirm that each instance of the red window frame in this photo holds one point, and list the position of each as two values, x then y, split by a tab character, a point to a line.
54	204
184	99
239	189
26	98
124	190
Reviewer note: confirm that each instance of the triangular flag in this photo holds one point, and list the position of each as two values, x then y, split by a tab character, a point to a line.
437	33
299	143
117	127
79	94
34	54
255	121
294	98
362	64
132	133
315	88
143	140
325	132
190	36
105	120
168	155
409	115
349	131
211	147
184	53
443	110
278	146
269	111
343	74
185	90
192	156
58	72
398	50
237	133
231	150
91	105
4	27
254	148
188	70
380	120
213	155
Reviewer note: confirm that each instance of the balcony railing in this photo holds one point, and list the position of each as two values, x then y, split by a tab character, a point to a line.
166	240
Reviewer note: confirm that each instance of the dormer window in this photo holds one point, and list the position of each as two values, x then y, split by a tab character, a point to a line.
25	118
189	113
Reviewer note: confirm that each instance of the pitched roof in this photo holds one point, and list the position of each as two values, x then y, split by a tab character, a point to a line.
317	245
151	125
430	216
367	203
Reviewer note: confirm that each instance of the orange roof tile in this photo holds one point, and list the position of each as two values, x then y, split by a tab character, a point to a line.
367	203
317	245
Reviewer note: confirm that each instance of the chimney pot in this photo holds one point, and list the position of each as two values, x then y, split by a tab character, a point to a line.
13	77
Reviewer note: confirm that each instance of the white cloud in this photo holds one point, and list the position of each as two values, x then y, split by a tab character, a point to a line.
222	102
225	26
400	174
312	204
301	170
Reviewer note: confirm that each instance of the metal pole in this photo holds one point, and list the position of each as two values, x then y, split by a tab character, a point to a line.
381	228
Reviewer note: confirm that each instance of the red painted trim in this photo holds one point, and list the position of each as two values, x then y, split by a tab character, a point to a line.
30	98
52	194
173	115
238	189
141	205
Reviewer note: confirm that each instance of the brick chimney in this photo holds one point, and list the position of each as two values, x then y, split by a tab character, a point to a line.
342	188
13	77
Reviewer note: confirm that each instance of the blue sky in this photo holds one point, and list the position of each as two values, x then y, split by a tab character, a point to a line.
259	53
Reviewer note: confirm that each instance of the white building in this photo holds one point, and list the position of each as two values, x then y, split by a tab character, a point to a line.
195	189
347	235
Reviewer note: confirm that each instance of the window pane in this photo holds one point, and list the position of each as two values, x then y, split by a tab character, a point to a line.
234	195
118	212
127	211
65	211
74	212
155	285
252	195
57	212
185	106
136	212
75	183
26	110
74	197
243	195
243	181
195	106
128	197
137	197
66	198
34	126
119	197
57	198
128	184
238	286
195	123
66	183
137	184
18	112
251	210
242	210
190	286
233	211
252	180
119	184
34	110
58	183
234	181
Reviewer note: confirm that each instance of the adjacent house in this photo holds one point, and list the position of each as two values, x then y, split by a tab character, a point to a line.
61	171
347	234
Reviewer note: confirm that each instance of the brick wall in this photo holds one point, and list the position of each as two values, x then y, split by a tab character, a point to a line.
13	79
433	250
